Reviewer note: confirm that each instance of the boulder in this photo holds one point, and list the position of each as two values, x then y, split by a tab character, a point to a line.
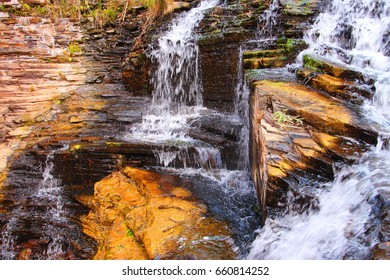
297	134
138	214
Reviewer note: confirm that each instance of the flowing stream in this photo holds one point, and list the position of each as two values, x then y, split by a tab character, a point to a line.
344	224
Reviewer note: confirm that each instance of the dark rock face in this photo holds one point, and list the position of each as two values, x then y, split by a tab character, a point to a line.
220	34
219	74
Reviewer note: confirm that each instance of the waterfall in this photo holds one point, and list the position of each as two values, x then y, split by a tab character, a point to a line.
177	88
50	191
177	92
343	223
242	110
268	22
48	195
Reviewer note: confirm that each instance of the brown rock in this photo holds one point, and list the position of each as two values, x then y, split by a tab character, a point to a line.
382	251
140	214
36	2
303	142
318	110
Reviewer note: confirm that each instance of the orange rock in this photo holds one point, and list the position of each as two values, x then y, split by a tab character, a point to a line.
138	214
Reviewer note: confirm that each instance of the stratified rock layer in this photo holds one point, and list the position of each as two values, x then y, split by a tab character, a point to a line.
297	134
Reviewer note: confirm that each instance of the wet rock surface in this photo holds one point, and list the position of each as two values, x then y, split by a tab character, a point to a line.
50	97
302	134
139	214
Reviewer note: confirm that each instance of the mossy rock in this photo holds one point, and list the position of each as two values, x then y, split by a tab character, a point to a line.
324	65
299	7
263	53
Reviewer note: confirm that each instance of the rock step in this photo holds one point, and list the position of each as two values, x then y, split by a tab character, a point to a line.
274	53
298	134
335	86
266	62
263	53
332	68
300	8
318	110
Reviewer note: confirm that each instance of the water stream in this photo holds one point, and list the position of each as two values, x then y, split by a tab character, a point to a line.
344	224
45	211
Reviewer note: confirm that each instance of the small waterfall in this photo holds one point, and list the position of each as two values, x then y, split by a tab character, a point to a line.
177	93
343	222
242	110
48	196
177	101
7	251
268	22
341	226
50	191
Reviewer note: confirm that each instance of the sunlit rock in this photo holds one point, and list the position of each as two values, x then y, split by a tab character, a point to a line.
139	214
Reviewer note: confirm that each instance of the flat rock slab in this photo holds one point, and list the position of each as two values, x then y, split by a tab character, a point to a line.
320	111
297	136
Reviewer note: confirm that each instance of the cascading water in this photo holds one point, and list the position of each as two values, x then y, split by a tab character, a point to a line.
344	224
177	93
242	110
48	194
177	102
268	21
43	222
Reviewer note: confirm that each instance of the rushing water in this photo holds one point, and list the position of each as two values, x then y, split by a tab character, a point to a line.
177	93
49	196
177	88
268	22
176	104
344	224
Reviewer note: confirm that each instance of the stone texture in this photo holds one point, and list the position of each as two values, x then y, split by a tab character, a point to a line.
220	34
139	214
382	251
303	143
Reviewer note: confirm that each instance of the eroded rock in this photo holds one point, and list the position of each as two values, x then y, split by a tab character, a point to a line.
297	136
139	214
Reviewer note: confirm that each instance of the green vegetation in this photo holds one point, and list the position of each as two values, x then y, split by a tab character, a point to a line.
282	118
102	12
129	233
74	48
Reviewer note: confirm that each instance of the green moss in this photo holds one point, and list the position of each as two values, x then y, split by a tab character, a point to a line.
299	8
210	38
74	48
263	53
113	144
313	63
130	233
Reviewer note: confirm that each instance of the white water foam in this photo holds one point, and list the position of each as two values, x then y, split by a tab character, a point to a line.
177	94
